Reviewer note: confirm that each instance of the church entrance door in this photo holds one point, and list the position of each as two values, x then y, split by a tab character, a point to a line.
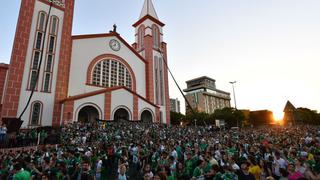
88	114
121	114
146	116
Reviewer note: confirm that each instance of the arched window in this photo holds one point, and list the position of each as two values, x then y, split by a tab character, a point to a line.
110	73
48	70
42	18
54	25
42	21
156	36
36	112
141	37
159	80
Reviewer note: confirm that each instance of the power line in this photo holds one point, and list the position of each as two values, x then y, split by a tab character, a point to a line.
174	79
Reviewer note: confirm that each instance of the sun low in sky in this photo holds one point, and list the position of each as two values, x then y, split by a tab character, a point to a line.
270	47
278	116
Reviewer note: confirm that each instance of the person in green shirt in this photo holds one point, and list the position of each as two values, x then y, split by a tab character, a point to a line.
228	174
198	172
21	174
3	171
43	136
154	161
163	161
179	152
188	164
203	146
179	173
33	137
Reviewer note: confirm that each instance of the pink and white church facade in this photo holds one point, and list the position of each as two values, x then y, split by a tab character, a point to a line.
84	77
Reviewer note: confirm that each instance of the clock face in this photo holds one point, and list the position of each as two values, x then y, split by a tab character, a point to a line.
114	45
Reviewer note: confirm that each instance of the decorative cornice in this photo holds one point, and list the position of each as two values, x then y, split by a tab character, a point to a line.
88	36
148	17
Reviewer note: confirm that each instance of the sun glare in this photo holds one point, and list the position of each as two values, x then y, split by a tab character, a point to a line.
278	115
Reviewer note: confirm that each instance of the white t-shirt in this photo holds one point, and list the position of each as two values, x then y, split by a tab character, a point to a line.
122	177
99	165
174	154
213	161
3	130
98	171
279	163
149	175
235	166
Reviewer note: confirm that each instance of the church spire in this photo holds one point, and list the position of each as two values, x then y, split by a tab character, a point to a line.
148	9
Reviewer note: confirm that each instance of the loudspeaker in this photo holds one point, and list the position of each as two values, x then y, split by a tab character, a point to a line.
13	124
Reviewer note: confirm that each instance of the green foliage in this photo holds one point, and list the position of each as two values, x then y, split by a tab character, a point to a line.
230	115
176	118
233	116
199	118
307	116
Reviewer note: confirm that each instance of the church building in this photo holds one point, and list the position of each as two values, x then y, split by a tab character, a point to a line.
83	77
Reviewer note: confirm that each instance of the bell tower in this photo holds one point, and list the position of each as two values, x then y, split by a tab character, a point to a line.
150	45
43	34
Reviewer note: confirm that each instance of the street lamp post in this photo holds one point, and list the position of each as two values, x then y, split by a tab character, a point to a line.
234	95
234	98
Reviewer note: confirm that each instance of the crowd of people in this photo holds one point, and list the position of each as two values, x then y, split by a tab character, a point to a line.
143	151
25	138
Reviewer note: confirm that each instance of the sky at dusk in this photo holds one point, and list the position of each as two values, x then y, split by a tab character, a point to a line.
270	47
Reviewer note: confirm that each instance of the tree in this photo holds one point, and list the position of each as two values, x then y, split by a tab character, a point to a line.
199	118
232	117
307	116
176	118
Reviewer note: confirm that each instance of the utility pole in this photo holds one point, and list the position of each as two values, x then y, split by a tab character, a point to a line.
234	98
234	95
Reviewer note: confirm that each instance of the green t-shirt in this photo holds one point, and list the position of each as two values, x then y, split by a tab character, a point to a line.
3	171
43	134
163	163
171	178
104	173
203	146
34	134
232	151
229	176
154	161
178	175
197	172
59	175
217	176
316	168
22	175
207	168
188	167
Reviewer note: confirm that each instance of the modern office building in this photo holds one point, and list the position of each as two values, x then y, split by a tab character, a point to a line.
83	77
203	95
175	105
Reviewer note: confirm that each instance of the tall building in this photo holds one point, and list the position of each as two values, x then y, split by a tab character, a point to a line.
203	95
175	105
84	77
